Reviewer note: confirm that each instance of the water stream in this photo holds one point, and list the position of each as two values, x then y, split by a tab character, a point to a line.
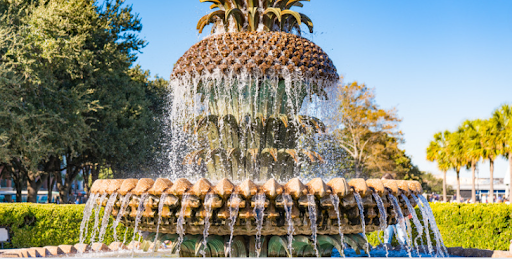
415	220
180	224
433	225
312	218
106	216
208	211
140	210
401	222
84	225
363	224
124	204
97	217
234	201
161	204
288	204
383	217
336	204
425	224
259	211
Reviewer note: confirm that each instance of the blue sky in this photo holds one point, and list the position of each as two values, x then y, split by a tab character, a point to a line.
439	62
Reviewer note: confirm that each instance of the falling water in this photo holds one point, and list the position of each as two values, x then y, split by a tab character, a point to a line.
439	240
312	219
140	210
400	220
180	229
259	211
161	203
415	220
208	208
124	204
89	206
234	202
97	217
363	225
106	216
288	204
425	223
336	204
383	217
408	227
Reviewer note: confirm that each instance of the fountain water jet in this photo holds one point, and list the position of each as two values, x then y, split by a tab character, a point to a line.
312	219
97	209
336	203
361	213
259	210
288	205
124	203
401	220
106	216
89	206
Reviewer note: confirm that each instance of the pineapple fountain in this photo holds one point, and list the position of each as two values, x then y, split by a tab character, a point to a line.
236	129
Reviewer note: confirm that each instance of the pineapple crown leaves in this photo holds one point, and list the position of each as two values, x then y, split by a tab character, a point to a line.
247	15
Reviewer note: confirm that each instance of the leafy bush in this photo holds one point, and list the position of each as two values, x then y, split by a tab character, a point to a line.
36	225
483	226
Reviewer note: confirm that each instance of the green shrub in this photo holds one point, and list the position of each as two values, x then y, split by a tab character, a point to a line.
36	225
483	226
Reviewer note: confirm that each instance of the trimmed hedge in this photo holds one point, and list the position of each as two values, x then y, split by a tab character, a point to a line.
37	225
483	226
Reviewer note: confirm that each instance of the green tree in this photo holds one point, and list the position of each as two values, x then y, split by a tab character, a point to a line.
364	125
71	100
490	142
471	148
456	156
503	118
438	151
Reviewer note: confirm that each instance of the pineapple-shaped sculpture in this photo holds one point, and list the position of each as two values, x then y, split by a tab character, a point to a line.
252	75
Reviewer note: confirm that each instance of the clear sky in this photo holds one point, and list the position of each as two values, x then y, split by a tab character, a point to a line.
439	62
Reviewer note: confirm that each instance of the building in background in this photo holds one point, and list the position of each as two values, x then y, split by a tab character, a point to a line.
482	186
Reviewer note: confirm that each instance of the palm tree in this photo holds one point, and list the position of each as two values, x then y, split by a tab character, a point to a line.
490	141
503	116
456	156
472	148
437	151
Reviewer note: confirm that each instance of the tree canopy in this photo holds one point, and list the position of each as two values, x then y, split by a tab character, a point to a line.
73	101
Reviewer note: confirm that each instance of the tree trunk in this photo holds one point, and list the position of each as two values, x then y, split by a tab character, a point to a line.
72	170
18	178
358	169
50	188
86	173
34	182
95	173
19	187
491	187
510	172
473	188
458	186
32	189
445	197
